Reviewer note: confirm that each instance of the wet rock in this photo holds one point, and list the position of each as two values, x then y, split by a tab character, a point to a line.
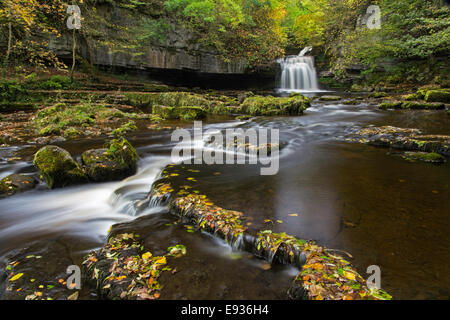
122	269
350	102
58	168
272	106
183	113
116	162
402	138
377	95
424	156
323	272
438	96
244	95
37	272
330	98
16	183
390	105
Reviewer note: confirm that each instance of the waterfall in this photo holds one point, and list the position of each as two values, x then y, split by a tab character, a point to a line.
298	72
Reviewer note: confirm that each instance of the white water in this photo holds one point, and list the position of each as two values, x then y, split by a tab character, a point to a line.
298	73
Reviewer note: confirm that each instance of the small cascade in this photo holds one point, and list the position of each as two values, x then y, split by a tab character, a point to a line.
298	72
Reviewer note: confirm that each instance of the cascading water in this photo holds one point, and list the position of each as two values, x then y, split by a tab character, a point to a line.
298	72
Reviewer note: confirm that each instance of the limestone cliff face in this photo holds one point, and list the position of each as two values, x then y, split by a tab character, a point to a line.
178	52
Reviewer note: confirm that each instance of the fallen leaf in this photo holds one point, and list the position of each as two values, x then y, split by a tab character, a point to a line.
73	296
17	276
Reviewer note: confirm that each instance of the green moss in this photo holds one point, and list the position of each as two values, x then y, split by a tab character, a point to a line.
412	96
154	87
130	126
190	113
330	98
123	152
15	183
438	96
183	113
50	129
422	105
170	99
350	102
272	106
424	156
57	167
390	105
116	161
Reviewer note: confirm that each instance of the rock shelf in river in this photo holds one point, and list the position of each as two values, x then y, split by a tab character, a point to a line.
401	138
324	274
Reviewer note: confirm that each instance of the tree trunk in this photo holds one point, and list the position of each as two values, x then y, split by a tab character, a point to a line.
74	46
8	51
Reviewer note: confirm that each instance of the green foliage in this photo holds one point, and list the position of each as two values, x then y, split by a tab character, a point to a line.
130	126
11	90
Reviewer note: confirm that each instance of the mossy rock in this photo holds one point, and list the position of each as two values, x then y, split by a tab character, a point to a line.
57	167
330	98
272	106
15	183
438	96
190	113
183	113
155	87
115	162
378	95
423	105
424	156
351	102
412	97
130	126
390	105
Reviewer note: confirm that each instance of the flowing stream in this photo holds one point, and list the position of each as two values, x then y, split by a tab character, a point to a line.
383	210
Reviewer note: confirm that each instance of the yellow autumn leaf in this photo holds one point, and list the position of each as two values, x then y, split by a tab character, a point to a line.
146	255
17	276
349	275
161	260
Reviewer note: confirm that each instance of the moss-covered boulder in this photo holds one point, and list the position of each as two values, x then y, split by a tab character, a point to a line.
15	183
432	157
330	98
390	105
183	113
437	96
58	168
116	161
272	106
419	105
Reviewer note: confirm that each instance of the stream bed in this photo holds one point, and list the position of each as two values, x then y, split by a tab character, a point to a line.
382	209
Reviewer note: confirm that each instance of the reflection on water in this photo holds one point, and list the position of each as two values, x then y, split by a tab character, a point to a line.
357	198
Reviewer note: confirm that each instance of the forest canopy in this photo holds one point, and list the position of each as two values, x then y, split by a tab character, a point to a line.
258	30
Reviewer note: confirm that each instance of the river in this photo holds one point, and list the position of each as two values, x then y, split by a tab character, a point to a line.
383	210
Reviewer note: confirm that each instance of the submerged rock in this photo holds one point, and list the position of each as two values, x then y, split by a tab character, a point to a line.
122	269
330	98
424	156
16	183
323	272
115	162
413	105
402	138
58	168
